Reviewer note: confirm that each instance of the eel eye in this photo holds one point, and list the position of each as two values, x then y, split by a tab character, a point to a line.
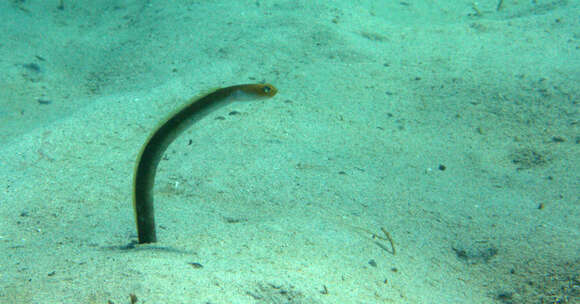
267	89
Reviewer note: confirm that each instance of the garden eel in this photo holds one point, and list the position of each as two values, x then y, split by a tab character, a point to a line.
153	149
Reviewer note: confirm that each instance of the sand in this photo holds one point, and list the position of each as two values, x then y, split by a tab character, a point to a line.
452	125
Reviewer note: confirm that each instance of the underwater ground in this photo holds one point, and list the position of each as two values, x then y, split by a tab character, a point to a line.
416	152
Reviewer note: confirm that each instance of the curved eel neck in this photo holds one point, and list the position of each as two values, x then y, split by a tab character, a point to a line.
163	136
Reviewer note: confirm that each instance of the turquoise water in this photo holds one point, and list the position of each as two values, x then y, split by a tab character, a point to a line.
416	152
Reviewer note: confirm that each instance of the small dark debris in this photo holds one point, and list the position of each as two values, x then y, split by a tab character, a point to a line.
373	263
442	167
324	290
220	118
44	101
50	274
232	113
505	296
288	101
195	265
558	139
374	36
462	254
233	220
341	172
32	67
417	78
394	269
528	158
479	252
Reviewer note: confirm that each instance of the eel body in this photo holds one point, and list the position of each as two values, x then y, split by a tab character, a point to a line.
153	149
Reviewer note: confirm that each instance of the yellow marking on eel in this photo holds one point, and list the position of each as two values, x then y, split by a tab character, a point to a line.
153	149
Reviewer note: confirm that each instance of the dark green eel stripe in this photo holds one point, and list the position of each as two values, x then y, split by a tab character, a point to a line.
163	136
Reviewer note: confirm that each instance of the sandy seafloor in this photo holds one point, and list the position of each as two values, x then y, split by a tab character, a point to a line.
452	125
